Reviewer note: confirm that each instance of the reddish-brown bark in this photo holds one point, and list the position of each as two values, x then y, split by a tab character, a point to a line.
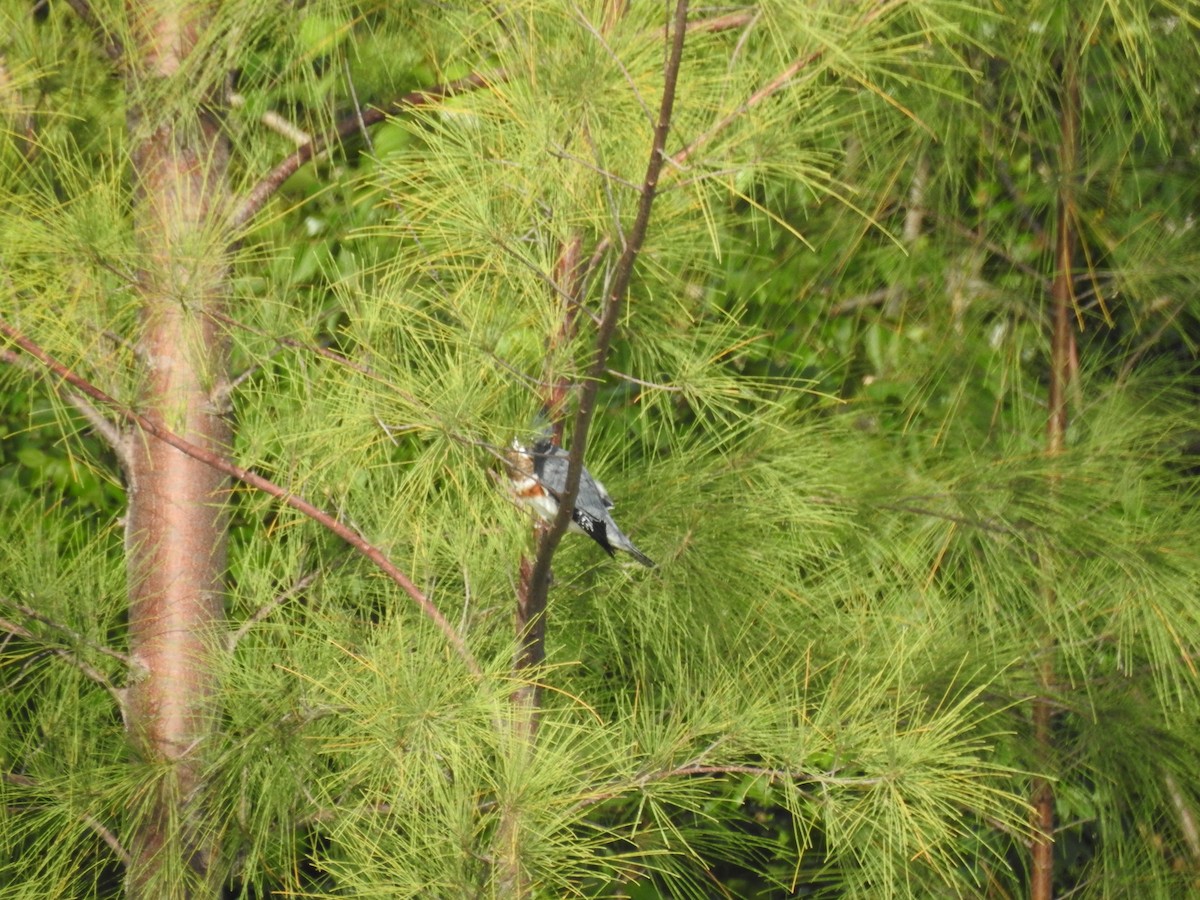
1062	369
175	529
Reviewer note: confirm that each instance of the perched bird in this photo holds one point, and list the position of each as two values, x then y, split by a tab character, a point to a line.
539	478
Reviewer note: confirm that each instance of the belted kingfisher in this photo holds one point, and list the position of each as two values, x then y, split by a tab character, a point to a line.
539	477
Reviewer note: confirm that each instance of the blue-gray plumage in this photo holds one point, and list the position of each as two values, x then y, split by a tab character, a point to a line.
539	477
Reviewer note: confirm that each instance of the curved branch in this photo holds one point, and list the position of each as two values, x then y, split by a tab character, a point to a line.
253	479
774	86
781	81
539	579
356	121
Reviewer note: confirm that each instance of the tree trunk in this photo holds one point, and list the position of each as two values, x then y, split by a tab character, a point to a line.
176	533
1062	370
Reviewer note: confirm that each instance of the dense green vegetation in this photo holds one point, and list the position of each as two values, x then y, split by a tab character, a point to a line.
901	398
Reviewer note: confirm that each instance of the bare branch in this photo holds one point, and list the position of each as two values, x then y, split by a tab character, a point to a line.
275	122
30	613
301	584
539	579
672	388
347	534
359	119
104	833
727	22
562	153
772	87
618	788
106	428
362	125
596	33
69	656
1186	815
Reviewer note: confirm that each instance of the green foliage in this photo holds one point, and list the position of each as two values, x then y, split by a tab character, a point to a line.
824	418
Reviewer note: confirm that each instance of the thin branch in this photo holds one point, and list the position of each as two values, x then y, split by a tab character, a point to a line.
105	427
362	125
1187	817
316	349
619	788
112	46
595	32
613	209
991	246
275	122
123	658
727	22
104	833
253	479
1140	350
981	524
1063	361
70	657
772	87
108	836
539	580
359	119
776	84
562	154
672	388
362	368
301	584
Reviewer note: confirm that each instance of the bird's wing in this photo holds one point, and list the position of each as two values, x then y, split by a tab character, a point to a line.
550	467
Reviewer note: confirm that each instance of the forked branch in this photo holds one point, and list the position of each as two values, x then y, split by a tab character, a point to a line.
254	480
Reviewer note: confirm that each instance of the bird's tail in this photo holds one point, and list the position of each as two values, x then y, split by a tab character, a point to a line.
621	542
641	557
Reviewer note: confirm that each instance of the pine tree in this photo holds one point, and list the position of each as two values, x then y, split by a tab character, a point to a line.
281	285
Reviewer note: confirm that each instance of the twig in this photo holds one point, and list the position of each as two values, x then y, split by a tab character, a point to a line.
1136	354
359	119
772	87
637	95
104	833
613	209
561	153
107	429
673	388
877	297
727	22
362	125
123	658
275	122
1187	818
981	524
539	579
347	534
992	247
618	788
301	584
73	659
112	46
